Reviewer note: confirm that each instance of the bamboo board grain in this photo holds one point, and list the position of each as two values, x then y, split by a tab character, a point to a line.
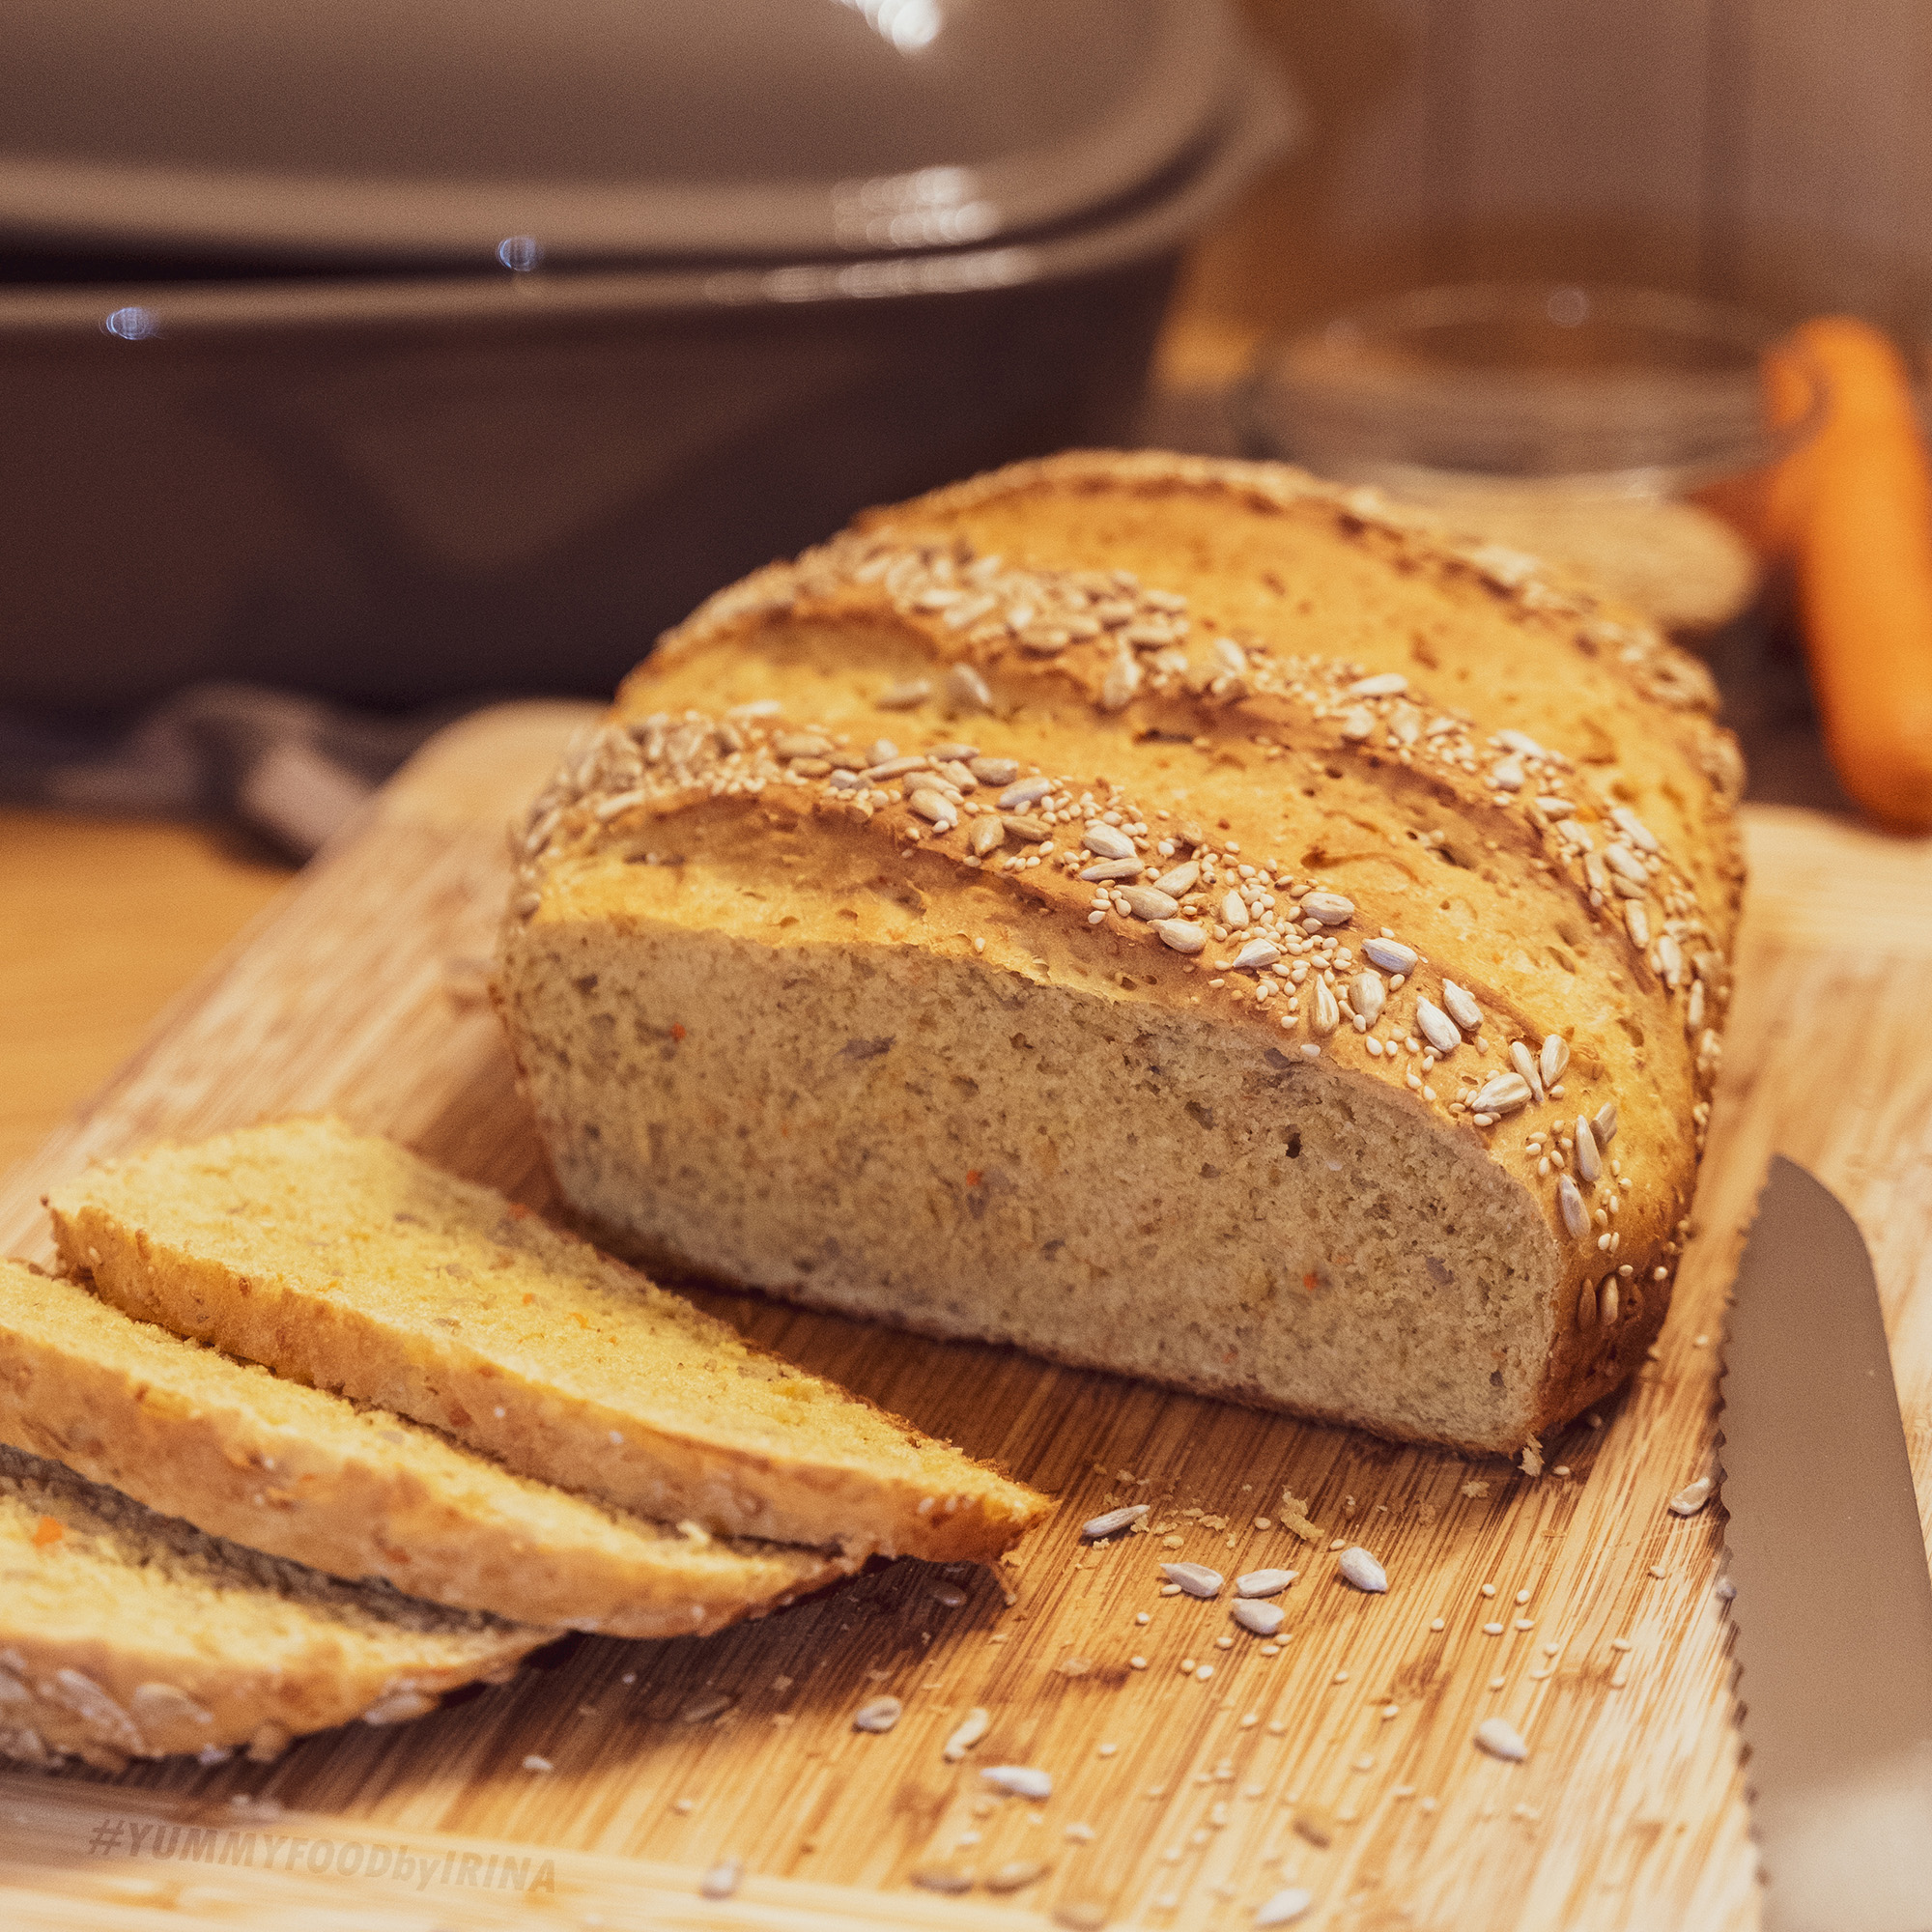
362	991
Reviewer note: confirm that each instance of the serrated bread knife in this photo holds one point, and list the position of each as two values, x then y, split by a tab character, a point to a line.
1834	1601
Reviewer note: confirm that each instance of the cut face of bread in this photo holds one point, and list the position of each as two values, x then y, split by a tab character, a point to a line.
343	1261
126	1634
1051	1164
1177	916
306	1475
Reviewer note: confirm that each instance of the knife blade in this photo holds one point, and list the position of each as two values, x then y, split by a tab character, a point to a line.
1834	1601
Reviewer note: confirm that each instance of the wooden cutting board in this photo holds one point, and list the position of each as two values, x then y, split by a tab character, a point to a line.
597	1787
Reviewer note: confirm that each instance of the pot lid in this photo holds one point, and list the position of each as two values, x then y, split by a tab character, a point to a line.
451	131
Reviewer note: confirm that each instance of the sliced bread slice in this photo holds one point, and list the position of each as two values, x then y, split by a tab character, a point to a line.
126	1633
305	1474
344	1261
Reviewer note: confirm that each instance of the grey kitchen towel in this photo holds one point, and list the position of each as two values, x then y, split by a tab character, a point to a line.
290	768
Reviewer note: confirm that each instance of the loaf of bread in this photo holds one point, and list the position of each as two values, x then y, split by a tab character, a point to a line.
300	1473
128	1634
1172	915
343	1261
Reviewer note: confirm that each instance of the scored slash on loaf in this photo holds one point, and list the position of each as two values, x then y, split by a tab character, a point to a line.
1236	1035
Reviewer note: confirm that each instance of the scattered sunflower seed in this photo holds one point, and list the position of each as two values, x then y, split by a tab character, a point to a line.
941	1878
1501	1740
1263	1582
1363	1570
1110	869
881	1713
1604	1124
1196	1578
1184	935
1589	1164
1113	1521
1315	1825
1027	830
1234	911
994	771
1149	902
1019	1780
1027	791
988	834
906	697
1252	1615
1692	1497
721	1880
1015	1875
1285	1907
1080	1915
1180	881
1256	956
967	1733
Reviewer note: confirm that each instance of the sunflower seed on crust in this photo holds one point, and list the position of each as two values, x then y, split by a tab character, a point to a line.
1329	908
1436	1027
1554	1058
1575	1217
1390	954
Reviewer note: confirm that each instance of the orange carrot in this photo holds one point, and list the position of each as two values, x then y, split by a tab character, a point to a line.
1853	508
